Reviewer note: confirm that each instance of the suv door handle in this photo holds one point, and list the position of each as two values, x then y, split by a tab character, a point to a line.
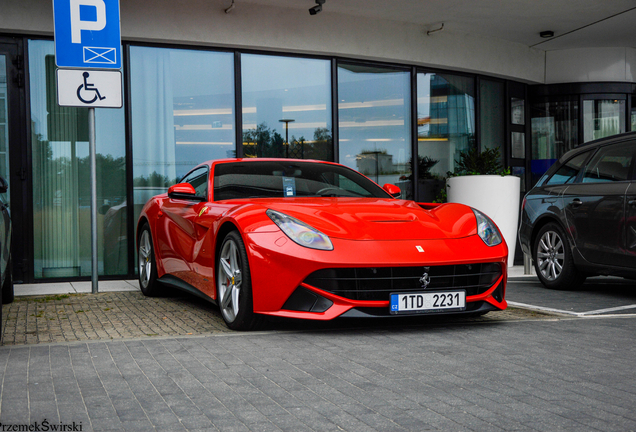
576	202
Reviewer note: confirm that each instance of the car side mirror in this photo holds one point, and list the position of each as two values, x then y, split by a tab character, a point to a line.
184	191
4	186
392	190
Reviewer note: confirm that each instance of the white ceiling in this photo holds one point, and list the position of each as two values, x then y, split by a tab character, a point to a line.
575	23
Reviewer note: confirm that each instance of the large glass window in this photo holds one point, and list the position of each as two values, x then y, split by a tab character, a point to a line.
374	110
182	114
61	179
554	132
492	115
602	118
286	107
445	127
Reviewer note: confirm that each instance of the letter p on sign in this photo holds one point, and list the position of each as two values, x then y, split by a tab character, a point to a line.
77	25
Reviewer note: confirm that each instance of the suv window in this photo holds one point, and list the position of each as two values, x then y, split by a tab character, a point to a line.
199	181
611	163
568	172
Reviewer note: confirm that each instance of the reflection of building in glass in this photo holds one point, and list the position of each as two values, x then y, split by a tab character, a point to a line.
374	163
446	118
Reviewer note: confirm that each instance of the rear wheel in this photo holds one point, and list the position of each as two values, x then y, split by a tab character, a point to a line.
553	259
234	286
146	264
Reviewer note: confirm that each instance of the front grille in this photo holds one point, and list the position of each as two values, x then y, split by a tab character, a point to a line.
376	283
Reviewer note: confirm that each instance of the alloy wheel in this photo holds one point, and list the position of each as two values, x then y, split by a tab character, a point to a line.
230	279
550	255
145	259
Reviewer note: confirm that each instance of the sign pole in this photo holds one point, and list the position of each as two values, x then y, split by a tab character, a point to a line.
93	152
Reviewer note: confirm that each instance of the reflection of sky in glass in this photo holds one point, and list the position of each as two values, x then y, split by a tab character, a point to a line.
276	88
374	118
182	109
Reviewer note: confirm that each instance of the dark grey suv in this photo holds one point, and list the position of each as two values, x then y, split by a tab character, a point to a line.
580	218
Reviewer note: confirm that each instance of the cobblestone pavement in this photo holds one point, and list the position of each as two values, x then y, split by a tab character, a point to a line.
171	365
79	317
105	316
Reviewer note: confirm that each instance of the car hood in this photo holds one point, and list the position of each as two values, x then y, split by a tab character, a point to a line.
378	219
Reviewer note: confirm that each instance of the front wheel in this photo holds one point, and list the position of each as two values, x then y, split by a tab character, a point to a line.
234	286
553	259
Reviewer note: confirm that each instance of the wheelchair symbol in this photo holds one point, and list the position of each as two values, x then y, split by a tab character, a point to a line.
88	87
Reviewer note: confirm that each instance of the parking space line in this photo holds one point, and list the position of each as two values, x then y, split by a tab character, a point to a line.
541	308
578	314
600	311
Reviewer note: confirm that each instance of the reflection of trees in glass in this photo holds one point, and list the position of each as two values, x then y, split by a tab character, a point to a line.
154	180
262	142
424	166
265	142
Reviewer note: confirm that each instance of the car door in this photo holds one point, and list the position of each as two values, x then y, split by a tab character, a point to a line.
180	225
595	205
630	223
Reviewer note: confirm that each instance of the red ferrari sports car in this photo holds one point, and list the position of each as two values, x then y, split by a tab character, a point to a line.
316	240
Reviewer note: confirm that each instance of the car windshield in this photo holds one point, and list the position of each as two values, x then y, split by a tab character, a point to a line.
276	179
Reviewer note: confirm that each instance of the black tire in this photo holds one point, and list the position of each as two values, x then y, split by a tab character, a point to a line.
8	295
553	259
234	285
146	263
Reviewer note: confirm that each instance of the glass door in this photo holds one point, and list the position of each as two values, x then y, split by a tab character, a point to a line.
603	116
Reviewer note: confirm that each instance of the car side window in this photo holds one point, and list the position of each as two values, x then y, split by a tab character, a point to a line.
570	170
199	181
610	164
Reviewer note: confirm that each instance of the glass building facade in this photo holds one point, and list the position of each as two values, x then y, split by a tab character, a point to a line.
398	124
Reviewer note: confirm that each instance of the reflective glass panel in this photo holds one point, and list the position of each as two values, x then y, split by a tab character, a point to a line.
492	115
445	127
286	107
61	179
374	123
603	117
554	132
182	115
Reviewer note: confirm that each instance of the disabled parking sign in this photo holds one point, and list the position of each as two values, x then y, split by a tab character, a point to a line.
89	88
87	34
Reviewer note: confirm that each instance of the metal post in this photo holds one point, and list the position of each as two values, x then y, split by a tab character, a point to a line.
528	268
92	151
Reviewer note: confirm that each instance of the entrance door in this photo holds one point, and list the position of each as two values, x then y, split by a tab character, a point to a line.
13	148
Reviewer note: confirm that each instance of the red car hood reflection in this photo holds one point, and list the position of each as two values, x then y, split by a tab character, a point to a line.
377	219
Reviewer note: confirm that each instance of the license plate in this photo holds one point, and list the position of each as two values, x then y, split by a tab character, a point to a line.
447	301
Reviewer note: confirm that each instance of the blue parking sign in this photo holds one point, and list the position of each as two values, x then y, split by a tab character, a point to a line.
87	34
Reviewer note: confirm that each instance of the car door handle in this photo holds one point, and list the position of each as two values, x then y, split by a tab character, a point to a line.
576	202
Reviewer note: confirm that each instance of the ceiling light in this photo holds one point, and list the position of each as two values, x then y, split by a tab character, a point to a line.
546	34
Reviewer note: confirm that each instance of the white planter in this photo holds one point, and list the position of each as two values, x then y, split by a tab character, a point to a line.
496	196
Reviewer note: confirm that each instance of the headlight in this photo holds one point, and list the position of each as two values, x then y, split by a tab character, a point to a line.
486	229
300	232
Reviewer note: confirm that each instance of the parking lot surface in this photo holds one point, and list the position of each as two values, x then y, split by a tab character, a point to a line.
120	361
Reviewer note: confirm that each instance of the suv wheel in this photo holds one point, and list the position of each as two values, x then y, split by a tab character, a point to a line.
553	259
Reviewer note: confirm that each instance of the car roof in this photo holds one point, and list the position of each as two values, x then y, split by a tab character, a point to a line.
612	139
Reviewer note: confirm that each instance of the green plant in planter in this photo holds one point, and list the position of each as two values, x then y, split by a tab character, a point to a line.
472	162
